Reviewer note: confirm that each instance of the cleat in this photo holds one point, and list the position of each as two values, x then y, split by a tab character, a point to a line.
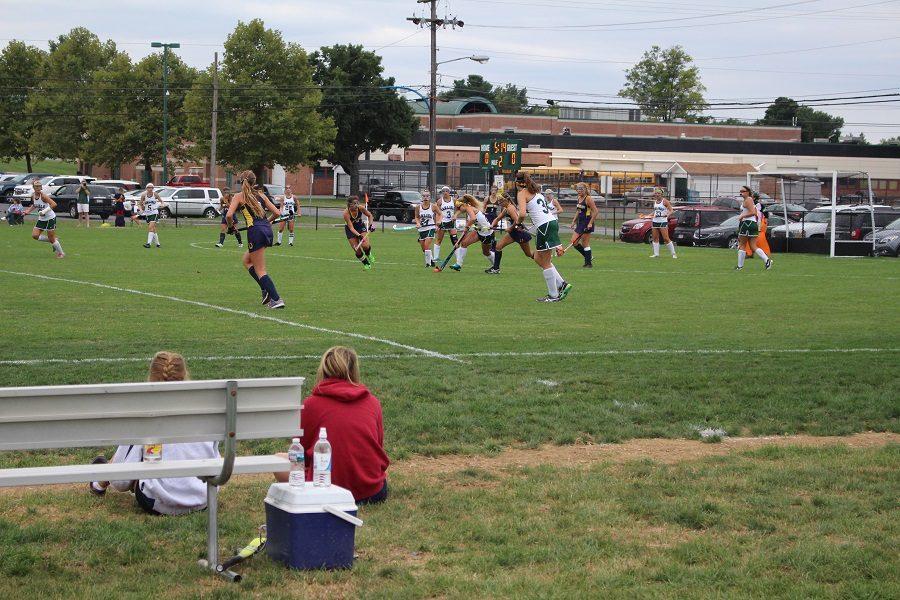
218	245
158	246
564	290
276	303
768	264
548	298
60	255
456	267
277	243
371	257
146	245
492	271
674	256
265	297
290	243
739	268
654	256
241	245
587	266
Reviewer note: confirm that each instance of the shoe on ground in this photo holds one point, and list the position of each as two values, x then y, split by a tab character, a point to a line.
96	490
367	266
158	246
587	266
768	264
277	243
456	267
290	243
276	303
739	268
265	297
548	298
371	257
654	256
218	245
564	290
492	271
146	245
674	256
63	255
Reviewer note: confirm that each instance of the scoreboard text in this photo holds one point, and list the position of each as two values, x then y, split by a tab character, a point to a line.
503	156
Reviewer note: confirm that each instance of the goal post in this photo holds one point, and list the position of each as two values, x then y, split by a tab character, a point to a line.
839	234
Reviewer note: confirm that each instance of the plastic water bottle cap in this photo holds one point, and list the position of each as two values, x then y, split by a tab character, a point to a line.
323	434
295	440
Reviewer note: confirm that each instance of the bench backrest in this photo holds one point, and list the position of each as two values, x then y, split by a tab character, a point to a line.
70	416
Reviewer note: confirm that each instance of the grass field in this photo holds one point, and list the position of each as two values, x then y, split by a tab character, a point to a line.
466	363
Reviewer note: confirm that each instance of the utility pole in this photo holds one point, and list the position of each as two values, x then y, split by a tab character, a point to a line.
165	159
213	169
433	23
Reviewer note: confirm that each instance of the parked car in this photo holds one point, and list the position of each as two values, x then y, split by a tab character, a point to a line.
724	235
8	187
101	201
817	222
399	204
856	224
694	218
187	181
119	183
50	184
732	202
795	212
638	230
190	202
887	240
642	194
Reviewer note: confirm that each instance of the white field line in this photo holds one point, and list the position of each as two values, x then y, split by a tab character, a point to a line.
698	351
726	271
244	313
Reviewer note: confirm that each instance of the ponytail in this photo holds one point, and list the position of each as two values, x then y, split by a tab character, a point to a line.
251	201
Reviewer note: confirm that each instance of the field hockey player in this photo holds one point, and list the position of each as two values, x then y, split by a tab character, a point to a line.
357	231
45	228
427	219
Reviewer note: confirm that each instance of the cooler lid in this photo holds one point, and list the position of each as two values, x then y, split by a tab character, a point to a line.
308	498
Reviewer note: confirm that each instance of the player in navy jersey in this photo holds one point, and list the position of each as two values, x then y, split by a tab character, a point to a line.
357	232
583	223
252	206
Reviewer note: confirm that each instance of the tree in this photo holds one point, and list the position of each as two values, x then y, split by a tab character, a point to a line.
20	71
891	141
70	92
473	85
665	85
368	117
268	104
813	123
127	125
508	98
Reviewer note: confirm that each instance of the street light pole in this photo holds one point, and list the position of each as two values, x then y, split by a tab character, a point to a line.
165	135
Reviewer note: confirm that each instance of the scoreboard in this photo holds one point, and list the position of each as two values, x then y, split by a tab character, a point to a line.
501	156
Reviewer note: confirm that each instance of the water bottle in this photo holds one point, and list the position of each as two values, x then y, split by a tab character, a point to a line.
297	478
322	460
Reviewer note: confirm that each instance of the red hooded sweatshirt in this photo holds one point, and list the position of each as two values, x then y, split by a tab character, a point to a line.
352	417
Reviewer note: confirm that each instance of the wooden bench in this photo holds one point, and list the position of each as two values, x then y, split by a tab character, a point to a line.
71	416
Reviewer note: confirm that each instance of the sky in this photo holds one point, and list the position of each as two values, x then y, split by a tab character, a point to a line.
575	50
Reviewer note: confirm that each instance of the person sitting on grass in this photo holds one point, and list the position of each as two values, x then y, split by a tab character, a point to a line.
352	417
15	213
171	496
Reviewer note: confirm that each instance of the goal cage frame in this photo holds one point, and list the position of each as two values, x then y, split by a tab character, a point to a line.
835	177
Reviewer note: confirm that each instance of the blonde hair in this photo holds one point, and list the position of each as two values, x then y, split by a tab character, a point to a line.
339	362
251	201
471	201
168	366
583	186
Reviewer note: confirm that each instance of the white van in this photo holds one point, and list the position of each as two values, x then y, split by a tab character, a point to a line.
51	183
190	202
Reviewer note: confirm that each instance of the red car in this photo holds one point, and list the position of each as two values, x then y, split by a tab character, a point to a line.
187	181
638	230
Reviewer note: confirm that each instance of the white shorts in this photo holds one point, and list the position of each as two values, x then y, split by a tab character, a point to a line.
83	208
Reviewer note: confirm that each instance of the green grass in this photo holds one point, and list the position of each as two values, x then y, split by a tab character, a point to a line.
776	523
643	350
432	406
55	167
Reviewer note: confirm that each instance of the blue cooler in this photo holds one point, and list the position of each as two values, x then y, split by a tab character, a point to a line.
311	527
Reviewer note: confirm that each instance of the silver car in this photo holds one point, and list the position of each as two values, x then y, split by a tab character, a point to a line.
190	202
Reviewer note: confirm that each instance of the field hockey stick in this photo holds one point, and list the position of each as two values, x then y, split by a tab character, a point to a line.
275	222
573	243
398	227
452	252
246	552
361	240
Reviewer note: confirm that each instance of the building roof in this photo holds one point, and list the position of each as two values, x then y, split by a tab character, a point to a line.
706	168
457	106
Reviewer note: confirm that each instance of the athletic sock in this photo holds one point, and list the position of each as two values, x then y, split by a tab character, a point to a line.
43	238
550	279
671	247
559	279
428	258
237	234
367	251
222	237
279	237
461	255
581	250
762	254
149	237
291	239
437	252
359	254
498	256
588	256
490	258
265	282
252	271
741	256
156	238
655	248
58	247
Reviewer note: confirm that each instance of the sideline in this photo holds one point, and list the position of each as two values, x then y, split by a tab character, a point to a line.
461	355
244	313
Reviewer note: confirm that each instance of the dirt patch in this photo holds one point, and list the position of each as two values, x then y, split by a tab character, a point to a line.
667	451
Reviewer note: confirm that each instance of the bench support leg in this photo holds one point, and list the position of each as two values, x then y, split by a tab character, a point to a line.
212	529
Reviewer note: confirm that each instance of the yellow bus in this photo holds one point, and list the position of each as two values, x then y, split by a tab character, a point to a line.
567	177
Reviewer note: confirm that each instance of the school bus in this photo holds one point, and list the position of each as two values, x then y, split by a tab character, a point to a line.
619	182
